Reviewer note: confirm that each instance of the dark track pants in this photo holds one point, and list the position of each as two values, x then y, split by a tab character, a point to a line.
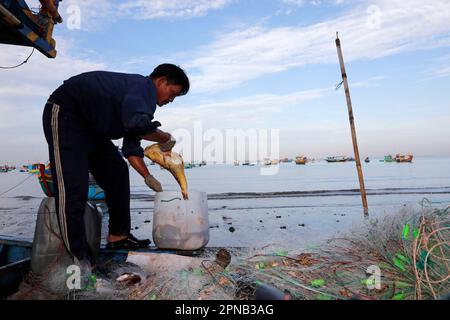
74	151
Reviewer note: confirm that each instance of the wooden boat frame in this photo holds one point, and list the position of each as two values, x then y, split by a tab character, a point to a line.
15	260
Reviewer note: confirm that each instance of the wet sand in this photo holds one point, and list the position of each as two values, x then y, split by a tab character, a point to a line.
243	220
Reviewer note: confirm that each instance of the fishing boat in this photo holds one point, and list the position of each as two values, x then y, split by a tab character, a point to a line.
267	162
337	159
196	164
187	165
301	160
16	254
7	168
46	182
15	262
388	159
400	158
34	168
247	163
95	192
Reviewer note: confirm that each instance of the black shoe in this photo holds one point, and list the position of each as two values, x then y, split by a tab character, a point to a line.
129	243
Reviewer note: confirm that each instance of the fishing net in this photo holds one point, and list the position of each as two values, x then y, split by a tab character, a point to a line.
404	256
401	257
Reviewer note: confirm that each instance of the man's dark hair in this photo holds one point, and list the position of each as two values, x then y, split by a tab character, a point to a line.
174	75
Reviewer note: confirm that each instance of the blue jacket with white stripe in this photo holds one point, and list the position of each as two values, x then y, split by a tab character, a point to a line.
114	105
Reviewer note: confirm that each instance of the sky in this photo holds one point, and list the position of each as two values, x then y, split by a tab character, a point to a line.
255	64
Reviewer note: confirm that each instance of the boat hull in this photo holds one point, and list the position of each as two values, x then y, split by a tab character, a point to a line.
44	174
15	260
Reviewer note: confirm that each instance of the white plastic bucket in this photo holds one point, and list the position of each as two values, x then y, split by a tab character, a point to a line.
180	224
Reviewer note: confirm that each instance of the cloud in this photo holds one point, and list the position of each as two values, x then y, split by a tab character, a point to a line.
299	135
295	3
441	72
259	110
24	91
301	3
380	29
88	15
91	15
369	83
161	9
40	75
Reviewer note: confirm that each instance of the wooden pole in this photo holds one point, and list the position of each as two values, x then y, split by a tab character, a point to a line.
352	126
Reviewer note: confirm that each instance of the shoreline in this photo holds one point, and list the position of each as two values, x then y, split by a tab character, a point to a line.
316	193
293	222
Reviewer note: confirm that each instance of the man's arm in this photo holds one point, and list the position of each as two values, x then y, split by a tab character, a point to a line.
157	136
139	165
133	152
166	140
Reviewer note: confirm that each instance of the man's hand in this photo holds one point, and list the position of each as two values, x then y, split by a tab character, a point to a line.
169	144
152	183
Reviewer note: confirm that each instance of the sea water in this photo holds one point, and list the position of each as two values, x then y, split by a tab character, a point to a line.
317	208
